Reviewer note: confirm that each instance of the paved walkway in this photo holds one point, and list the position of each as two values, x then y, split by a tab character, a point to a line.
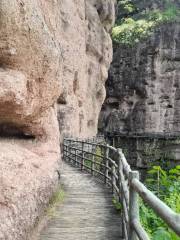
86	213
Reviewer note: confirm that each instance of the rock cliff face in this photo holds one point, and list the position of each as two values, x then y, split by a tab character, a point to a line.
54	58
143	86
87	52
143	90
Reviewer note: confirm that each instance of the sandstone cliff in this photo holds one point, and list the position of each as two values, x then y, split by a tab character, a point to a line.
54	58
87	52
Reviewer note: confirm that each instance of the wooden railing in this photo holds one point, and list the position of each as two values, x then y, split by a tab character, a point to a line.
109	164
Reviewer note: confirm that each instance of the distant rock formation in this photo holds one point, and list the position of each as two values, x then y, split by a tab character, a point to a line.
143	88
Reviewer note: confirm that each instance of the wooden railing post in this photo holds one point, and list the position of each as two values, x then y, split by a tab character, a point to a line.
92	165
68	159
113	169
64	153
122	197
70	155
82	159
69	151
75	152
120	169
113	143
121	194
106	165
133	206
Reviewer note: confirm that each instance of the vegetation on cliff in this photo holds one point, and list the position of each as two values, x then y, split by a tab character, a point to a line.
133	26
166	185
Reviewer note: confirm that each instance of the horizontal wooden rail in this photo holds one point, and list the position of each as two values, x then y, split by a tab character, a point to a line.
86	158
140	230
111	166
75	148
162	210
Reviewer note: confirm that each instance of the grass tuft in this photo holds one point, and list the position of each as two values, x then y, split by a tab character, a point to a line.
56	199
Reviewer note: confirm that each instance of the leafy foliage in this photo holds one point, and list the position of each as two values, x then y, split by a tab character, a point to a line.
117	204
98	159
130	30
56	199
165	184
127	6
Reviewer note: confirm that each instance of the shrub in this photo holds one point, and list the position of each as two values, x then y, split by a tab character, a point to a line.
131	30
165	184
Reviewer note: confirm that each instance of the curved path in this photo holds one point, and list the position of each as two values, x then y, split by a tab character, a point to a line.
87	211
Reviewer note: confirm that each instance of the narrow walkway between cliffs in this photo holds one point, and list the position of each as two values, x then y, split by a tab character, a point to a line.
98	181
87	211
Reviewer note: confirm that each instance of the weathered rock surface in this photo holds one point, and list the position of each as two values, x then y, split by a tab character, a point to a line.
87	53
50	52
143	97
143	89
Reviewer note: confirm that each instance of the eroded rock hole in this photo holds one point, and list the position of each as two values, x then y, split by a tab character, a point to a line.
12	131
169	106
75	82
62	99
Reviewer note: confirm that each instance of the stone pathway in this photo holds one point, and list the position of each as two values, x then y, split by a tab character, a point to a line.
86	213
